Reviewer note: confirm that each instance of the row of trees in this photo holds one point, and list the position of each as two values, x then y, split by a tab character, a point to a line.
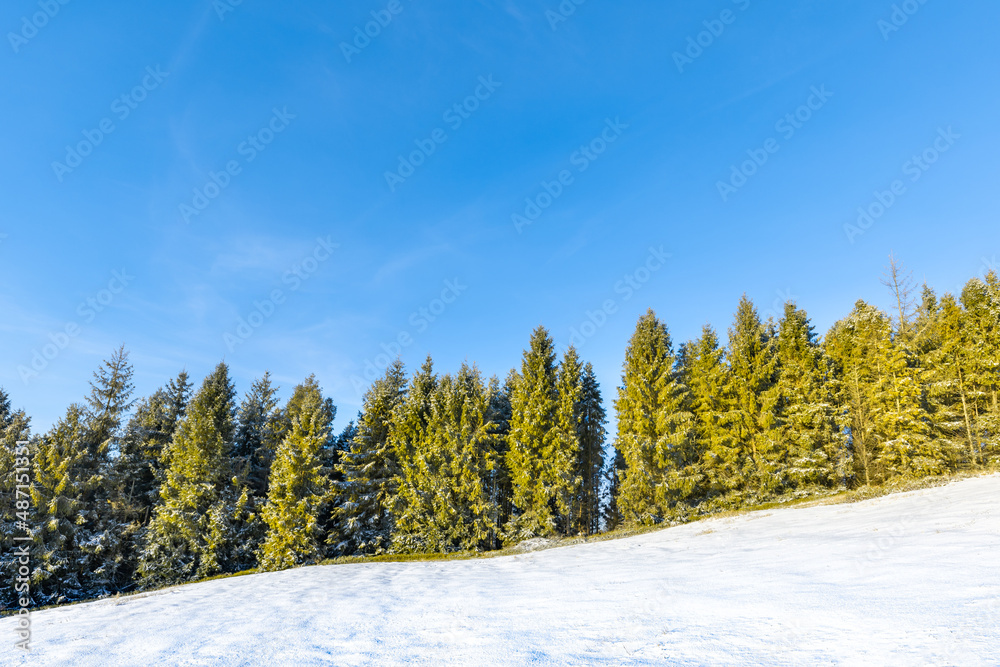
186	484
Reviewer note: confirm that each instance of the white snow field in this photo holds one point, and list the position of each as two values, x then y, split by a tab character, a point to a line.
908	579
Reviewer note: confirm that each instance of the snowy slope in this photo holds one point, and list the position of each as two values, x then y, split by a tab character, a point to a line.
901	580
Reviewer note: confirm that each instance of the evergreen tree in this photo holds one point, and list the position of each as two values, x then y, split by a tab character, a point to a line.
816	447
81	540
569	389
298	487
881	393
707	377
654	429
541	474
447	458
612	474
754	418
14	428
591	434
981	301
331	457
499	413
370	470
193	533
110	398
260	429
138	469
419	464
941	345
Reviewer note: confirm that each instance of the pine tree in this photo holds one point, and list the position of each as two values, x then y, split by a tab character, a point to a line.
981	301
445	450
64	481
707	377
499	413
880	390
82	541
192	533
136	473
654	429
331	456
940	344
816	446
541	474
298	487
754	414
366	495
612	474
591	434
260	429
419	467
14	428
569	390
138	469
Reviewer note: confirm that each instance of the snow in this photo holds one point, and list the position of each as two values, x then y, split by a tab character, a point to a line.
901	580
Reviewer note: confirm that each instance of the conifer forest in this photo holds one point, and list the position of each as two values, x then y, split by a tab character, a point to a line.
198	479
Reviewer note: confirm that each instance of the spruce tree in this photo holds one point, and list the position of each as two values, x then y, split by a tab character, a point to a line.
880	390
981	301
754	418
446	504
260	429
462	419
419	465
499	414
366	494
138	469
541	474
193	530
941	345
298	487
816	454
706	375
14	428
569	390
64	484
654	429
80	537
592	434
612	474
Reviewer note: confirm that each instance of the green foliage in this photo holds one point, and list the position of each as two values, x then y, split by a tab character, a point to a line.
81	542
14	427
754	409
591	434
194	487
881	394
193	532
816	447
444	443
260	429
299	486
370	472
655	429
540	457
706	375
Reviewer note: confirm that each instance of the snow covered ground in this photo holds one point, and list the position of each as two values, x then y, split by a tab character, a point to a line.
909	579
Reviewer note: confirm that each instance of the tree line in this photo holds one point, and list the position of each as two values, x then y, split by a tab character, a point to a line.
183	484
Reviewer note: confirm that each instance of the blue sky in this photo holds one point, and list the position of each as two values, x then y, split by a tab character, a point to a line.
245	171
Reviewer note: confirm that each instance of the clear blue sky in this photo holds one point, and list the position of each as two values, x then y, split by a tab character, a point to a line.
308	130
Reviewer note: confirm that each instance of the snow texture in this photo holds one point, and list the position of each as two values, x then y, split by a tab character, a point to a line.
901	580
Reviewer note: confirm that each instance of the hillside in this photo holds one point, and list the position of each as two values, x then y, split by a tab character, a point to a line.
905	579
